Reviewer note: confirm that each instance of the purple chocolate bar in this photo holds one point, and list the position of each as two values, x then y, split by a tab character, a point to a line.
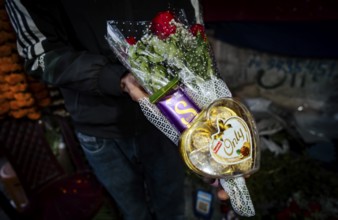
179	109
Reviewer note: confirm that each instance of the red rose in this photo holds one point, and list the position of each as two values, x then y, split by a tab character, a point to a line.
198	28
131	40
161	26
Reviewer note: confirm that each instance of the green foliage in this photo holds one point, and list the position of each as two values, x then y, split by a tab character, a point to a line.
155	62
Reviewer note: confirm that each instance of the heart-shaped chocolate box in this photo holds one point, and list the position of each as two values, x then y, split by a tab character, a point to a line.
222	141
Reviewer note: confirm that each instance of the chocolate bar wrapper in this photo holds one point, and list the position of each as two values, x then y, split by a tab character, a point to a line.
179	109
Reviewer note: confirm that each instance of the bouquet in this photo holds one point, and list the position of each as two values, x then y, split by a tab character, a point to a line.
188	101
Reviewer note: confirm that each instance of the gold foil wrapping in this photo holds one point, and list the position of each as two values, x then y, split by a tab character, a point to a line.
222	141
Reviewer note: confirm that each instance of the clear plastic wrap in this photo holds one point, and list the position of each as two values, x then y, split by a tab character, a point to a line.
173	62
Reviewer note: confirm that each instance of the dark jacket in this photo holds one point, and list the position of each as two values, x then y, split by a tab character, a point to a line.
63	43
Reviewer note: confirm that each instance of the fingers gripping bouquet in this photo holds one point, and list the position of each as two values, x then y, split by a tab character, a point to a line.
188	101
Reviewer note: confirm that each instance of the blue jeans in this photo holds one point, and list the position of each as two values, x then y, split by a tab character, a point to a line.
144	174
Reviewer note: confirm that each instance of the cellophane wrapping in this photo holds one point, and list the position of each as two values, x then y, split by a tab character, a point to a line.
166	49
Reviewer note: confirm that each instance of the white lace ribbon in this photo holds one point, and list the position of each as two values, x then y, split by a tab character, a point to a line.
239	195
154	115
234	186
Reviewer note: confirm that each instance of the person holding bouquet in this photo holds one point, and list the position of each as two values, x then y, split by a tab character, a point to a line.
63	44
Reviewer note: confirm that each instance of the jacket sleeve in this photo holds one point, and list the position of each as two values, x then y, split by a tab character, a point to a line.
43	42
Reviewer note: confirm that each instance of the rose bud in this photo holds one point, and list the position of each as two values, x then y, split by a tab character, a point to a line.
161	26
198	28
131	40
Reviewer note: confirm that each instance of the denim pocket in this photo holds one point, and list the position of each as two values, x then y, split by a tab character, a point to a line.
90	144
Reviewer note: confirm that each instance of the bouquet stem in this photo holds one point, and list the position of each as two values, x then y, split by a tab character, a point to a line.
239	195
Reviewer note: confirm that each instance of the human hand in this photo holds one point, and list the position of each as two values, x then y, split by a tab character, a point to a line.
221	194
131	86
